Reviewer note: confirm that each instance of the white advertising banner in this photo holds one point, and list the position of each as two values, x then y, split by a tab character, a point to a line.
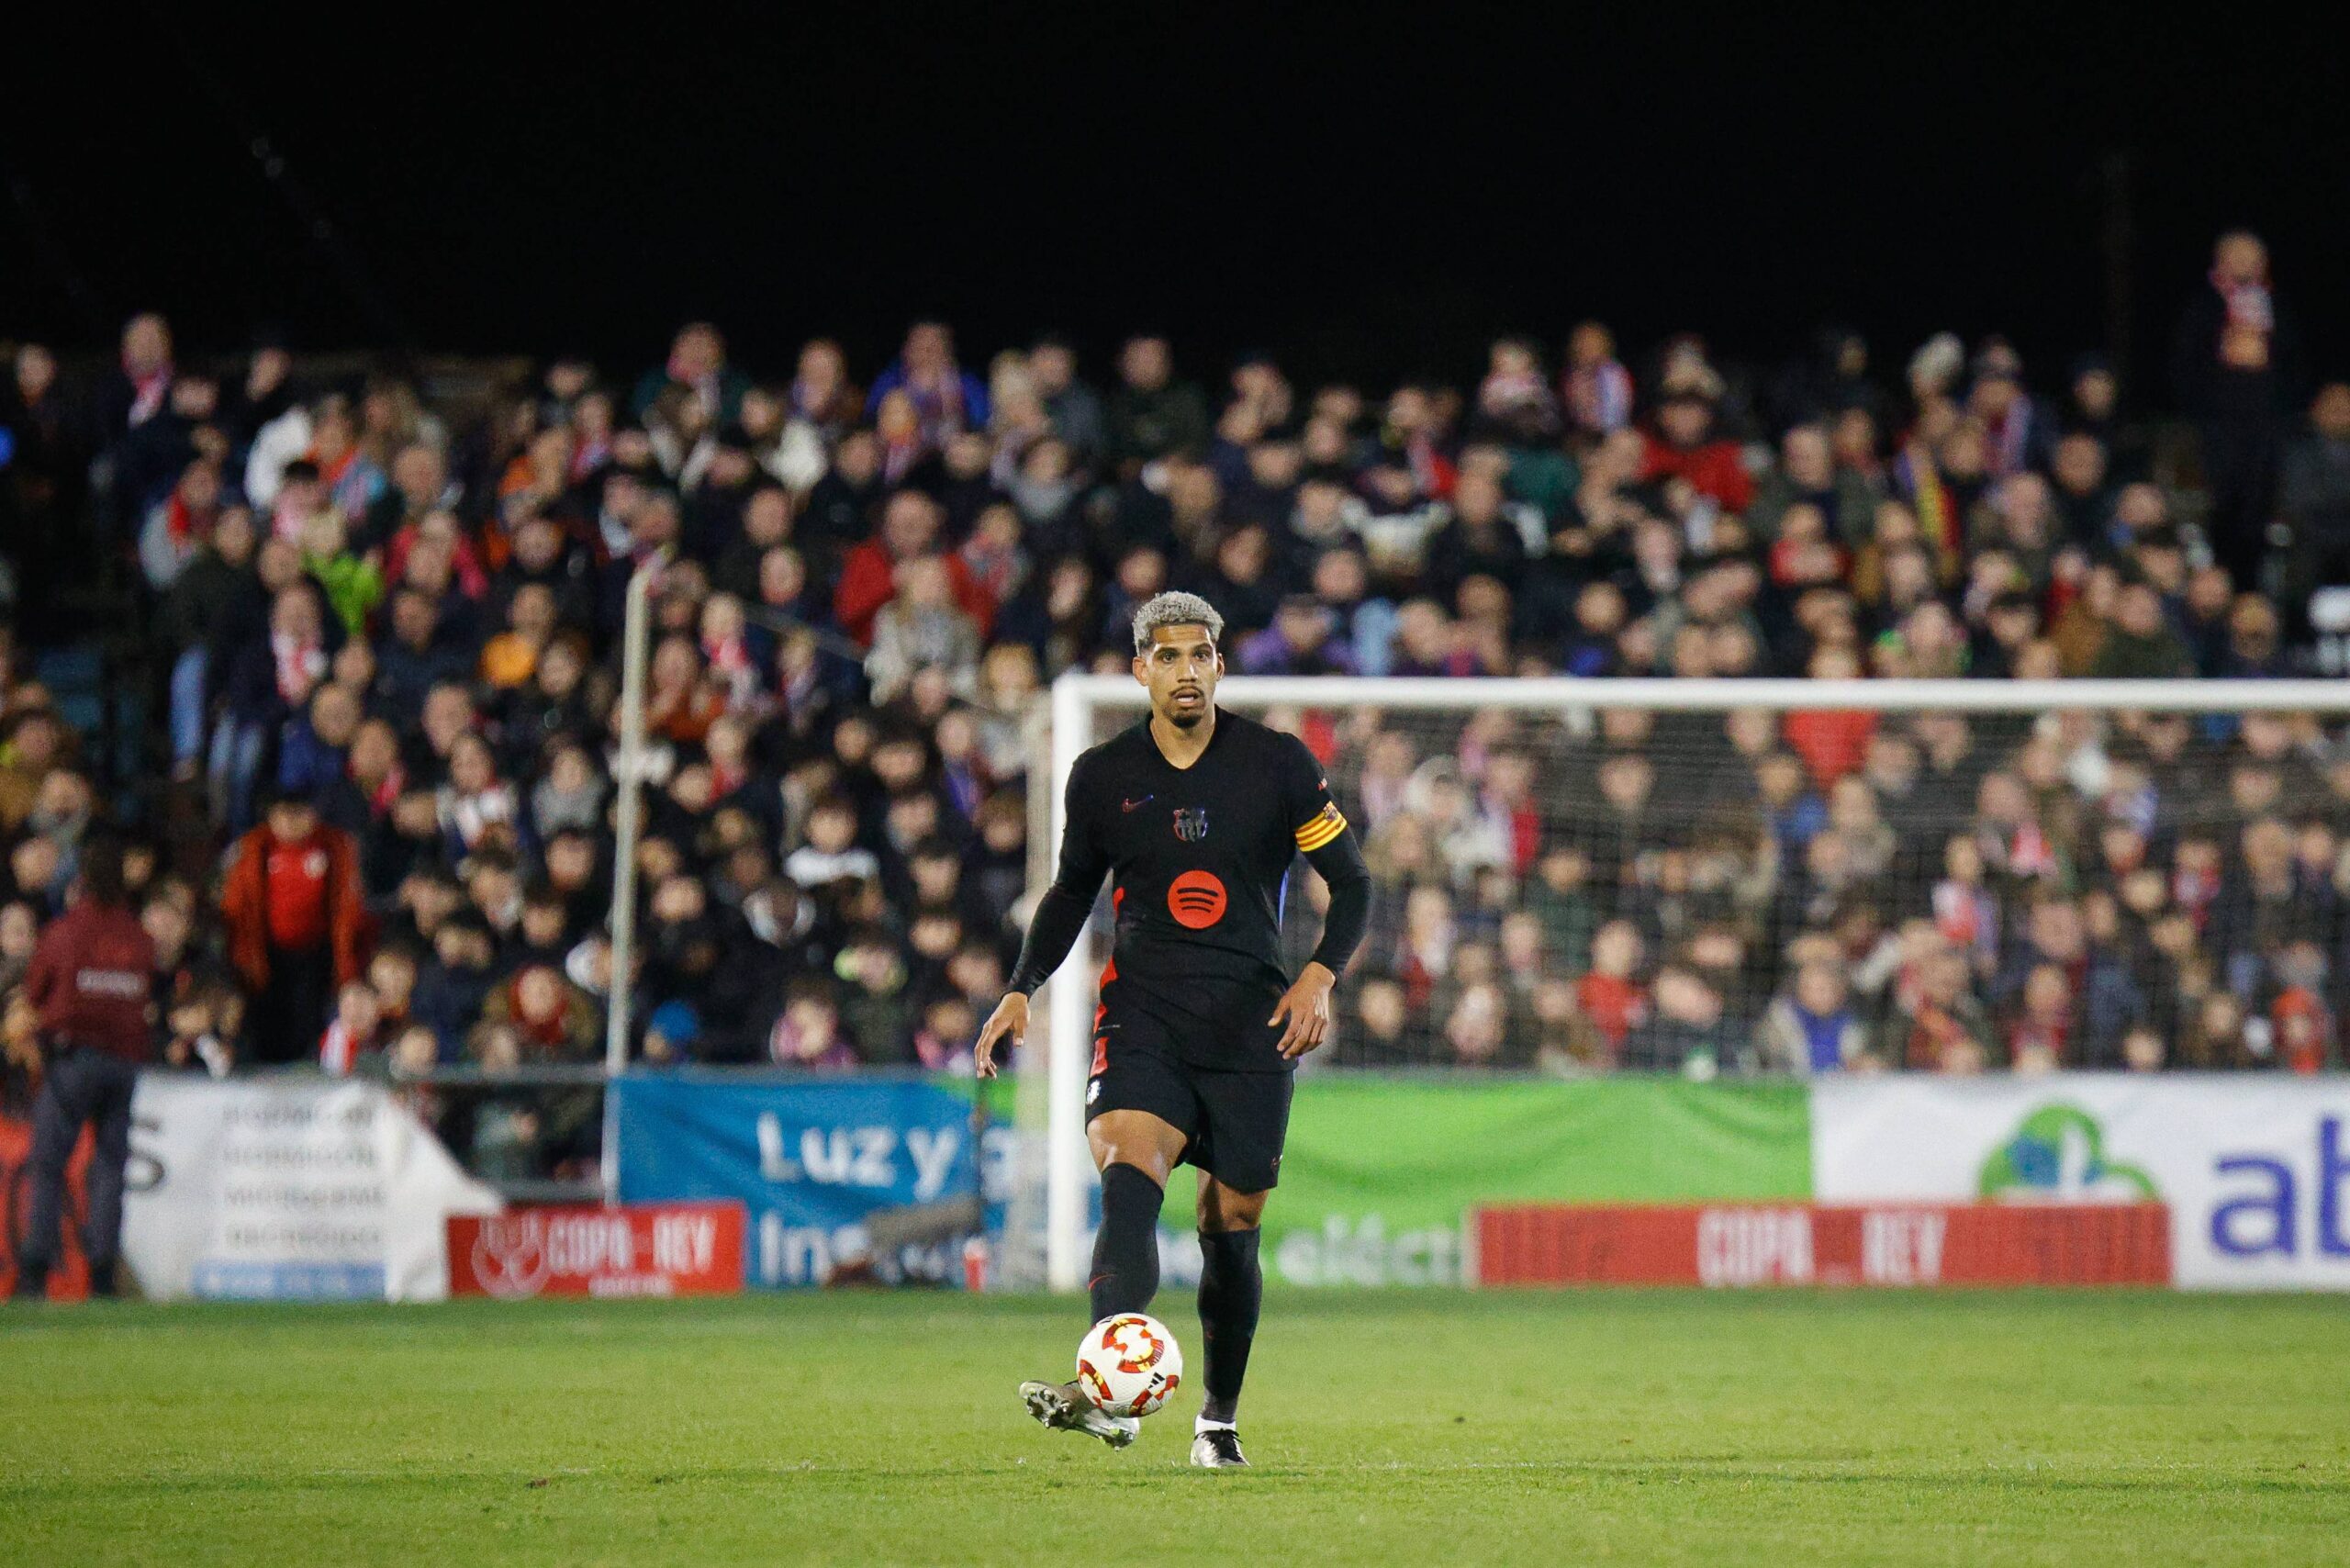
2251	1168
288	1189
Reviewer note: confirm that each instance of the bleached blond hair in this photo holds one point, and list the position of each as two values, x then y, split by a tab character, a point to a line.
1175	610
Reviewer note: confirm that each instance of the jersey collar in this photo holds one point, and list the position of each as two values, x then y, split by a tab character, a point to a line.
1215	737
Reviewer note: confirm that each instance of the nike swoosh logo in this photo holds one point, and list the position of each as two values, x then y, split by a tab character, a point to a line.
1130	805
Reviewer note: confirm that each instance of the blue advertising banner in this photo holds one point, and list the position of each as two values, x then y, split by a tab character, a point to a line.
845	1179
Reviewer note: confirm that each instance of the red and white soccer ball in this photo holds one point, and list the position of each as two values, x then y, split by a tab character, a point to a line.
1129	1364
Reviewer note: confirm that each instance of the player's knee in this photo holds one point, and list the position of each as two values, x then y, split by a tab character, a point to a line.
1120	1141
1223	1209
1150	1163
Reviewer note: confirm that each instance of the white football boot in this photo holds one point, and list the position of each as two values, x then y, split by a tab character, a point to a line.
1055	1405
1218	1448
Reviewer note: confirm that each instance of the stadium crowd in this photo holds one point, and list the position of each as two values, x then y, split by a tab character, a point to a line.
386	641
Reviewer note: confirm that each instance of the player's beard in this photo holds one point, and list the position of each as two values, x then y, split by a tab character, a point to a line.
1183	720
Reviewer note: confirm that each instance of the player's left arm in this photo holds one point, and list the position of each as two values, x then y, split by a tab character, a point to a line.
1330	846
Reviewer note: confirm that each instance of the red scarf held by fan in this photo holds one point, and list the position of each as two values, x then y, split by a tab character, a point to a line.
385	791
147	392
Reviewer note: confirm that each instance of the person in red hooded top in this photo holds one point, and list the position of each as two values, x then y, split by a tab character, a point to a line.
1683	444
298	928
91	981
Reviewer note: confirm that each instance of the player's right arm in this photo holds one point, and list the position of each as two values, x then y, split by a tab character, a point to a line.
1054	928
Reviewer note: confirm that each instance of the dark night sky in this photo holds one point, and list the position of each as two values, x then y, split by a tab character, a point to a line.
1368	197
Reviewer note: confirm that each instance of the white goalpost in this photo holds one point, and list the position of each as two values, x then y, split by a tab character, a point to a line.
1548	714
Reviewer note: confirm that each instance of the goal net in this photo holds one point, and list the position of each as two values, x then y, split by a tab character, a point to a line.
1724	878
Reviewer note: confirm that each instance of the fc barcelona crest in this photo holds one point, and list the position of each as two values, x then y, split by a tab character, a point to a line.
1190	824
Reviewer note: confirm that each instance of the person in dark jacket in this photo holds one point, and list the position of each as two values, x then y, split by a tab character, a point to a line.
213	608
41	486
2314	498
2140	643
2236	369
1686	1031
1153	414
1477	539
90	979
265	682
417	656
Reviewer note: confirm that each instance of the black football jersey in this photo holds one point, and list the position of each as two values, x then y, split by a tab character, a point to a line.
1198	858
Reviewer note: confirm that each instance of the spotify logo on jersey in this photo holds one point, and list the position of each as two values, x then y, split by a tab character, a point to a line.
1196	900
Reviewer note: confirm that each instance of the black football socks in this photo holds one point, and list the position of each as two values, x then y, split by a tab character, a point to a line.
1126	1249
1232	1287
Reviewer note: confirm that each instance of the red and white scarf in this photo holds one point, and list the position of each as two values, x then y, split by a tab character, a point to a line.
2248	301
300	666
339	1050
148	392
730	659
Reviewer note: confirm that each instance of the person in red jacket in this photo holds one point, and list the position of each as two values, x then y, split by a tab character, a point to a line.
298	928
92	979
1684	445
868	576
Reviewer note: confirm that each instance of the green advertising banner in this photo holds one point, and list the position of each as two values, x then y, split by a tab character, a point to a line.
1379	1168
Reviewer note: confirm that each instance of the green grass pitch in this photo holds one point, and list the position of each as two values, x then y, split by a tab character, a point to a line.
1392	1428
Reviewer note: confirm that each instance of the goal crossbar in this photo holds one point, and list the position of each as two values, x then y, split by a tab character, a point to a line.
1564	692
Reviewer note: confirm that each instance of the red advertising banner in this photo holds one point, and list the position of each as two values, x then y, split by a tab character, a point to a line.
1739	1244
69	1277
653	1250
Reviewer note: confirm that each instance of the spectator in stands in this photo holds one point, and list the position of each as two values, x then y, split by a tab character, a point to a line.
910	529
1684	445
354	1039
177	526
1080	422
944	398
2236	369
922	627
1937	1025
2018	435
697	369
2139	644
291	905
1844	500
808	1034
1812	1026
1152	414
1474	539
1596	389
1685	1028
1609	994
2315	495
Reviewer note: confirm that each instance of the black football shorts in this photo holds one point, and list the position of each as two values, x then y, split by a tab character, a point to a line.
1234	1122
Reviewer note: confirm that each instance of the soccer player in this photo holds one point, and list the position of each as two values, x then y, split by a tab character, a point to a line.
1197	814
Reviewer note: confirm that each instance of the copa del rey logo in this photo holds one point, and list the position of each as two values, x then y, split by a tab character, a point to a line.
645	1249
509	1254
